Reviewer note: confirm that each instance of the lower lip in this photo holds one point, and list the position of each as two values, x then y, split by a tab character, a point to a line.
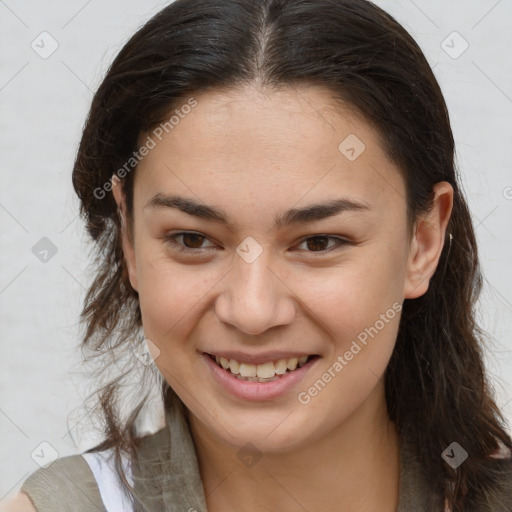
247	390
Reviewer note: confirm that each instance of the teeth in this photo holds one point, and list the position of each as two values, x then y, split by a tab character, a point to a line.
261	372
281	366
256	379
265	371
234	366
292	363
247	370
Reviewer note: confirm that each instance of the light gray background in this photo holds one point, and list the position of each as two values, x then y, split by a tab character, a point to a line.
44	103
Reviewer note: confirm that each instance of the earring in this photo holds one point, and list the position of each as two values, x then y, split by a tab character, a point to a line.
448	253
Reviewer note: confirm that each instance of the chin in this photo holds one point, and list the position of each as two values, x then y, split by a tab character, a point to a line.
279	430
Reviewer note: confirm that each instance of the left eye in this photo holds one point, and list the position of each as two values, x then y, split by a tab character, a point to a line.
320	243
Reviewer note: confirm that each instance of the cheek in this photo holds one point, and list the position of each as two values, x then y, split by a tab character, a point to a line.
172	298
363	338
357	305
168	295
351	296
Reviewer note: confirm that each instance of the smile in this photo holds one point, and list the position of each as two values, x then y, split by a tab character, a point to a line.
265	372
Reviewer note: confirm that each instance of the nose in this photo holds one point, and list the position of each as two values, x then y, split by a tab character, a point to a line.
254	297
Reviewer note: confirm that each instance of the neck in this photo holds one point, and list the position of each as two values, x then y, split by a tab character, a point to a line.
354	468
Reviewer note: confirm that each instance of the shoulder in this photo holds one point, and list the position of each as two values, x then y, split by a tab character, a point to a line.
66	484
19	503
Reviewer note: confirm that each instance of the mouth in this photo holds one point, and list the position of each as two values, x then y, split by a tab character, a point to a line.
265	372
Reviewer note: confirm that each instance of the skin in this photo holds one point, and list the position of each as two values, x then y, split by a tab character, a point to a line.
18	503
255	155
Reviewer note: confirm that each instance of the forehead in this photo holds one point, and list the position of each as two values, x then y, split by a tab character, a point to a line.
282	146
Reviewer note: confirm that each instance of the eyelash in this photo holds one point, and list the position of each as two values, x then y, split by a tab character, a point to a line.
171	240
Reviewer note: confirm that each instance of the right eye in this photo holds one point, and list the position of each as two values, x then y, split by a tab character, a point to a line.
190	241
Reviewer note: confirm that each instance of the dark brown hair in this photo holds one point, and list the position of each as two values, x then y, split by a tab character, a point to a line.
436	388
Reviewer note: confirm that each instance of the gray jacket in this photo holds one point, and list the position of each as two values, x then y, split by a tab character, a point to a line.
170	462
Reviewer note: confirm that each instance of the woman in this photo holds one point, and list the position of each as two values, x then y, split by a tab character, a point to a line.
272	191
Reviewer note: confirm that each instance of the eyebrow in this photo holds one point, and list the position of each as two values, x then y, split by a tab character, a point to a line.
310	213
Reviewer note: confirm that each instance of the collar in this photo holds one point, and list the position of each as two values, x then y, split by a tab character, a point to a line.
167	466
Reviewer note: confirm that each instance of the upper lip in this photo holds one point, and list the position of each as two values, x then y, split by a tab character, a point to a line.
261	358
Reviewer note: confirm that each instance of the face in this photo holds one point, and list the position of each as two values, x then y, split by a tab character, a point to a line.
270	228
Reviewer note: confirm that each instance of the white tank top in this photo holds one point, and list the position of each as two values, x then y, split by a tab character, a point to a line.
113	495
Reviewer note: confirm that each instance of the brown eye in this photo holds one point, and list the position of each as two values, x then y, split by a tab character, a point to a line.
320	243
192	242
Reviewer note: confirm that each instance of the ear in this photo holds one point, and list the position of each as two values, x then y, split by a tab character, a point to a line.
128	247
428	241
